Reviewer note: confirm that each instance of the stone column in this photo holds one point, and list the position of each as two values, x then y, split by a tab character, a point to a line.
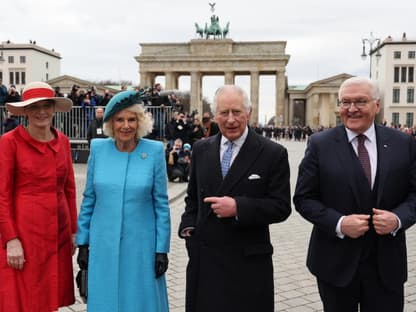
280	98
175	82
196	102
332	107
229	78
315	110
170	80
291	110
254	96
145	79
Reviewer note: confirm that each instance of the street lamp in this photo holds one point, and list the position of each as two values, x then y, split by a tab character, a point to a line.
371	41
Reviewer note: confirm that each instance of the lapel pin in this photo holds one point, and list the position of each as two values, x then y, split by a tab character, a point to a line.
143	155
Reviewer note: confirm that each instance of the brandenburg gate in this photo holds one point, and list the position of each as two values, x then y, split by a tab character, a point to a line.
217	56
225	57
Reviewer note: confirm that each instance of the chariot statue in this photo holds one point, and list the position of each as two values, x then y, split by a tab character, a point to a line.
213	30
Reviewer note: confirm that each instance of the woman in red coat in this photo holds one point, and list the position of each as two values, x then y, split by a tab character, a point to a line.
37	207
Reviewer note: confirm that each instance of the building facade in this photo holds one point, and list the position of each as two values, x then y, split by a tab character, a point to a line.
315	105
66	83
23	63
393	65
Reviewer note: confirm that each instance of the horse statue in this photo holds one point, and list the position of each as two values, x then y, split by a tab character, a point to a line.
214	29
225	30
199	30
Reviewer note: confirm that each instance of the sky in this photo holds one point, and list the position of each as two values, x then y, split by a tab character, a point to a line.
98	39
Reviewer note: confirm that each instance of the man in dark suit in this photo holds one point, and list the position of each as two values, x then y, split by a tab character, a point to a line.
357	185
227	214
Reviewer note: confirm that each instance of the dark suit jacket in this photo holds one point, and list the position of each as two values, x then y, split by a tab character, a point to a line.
329	186
230	260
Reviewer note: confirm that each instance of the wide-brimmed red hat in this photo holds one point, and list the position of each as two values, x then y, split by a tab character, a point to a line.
35	92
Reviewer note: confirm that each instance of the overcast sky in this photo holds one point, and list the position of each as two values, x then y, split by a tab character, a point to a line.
98	39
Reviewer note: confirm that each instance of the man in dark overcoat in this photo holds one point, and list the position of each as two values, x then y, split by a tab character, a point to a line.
357	186
239	184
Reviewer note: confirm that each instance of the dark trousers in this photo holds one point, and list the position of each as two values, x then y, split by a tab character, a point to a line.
366	291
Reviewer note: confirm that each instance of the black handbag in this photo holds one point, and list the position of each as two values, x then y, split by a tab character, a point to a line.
82	284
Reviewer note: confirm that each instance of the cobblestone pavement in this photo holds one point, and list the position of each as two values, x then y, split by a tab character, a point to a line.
295	287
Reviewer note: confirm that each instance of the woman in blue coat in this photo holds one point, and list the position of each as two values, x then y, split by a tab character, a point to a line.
124	221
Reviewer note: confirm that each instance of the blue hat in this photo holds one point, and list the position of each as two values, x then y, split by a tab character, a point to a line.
187	146
121	101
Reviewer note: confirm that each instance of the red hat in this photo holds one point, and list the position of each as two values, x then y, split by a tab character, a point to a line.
35	92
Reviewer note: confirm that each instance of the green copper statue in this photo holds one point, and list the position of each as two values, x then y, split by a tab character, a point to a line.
214	29
199	30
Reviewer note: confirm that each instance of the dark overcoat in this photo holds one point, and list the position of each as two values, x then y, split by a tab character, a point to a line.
330	185
230	259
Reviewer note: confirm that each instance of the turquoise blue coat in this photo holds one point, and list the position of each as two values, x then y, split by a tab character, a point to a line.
125	220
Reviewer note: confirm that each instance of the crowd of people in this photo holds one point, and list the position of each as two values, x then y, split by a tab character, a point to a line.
89	99
353	186
9	95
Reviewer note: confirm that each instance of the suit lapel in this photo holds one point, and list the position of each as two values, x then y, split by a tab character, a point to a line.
241	164
212	156
344	152
211	168
383	157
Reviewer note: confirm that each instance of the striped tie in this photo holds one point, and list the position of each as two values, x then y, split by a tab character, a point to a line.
226	158
363	157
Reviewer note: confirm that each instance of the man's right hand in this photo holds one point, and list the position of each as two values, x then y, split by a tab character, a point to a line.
355	225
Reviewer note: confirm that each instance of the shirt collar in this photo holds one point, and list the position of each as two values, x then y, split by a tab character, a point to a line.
370	133
40	146
239	141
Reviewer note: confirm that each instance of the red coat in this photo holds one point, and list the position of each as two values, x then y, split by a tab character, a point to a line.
37	205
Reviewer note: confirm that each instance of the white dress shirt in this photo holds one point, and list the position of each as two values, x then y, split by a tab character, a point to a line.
237	144
371	146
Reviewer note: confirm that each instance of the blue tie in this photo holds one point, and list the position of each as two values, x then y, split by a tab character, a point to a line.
226	158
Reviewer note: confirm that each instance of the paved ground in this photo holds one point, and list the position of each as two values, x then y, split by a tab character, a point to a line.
295	287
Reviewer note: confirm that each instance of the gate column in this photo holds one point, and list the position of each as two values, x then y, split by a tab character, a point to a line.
196	102
254	96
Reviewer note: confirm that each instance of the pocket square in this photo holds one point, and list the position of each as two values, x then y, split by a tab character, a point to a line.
254	177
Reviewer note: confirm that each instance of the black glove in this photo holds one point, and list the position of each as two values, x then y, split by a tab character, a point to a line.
82	259
161	264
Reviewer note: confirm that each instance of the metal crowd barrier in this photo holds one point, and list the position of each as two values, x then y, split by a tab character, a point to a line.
74	124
